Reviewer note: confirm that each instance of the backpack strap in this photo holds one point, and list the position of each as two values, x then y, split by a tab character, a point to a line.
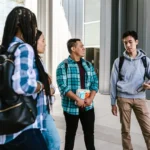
121	60
12	50
145	65
66	64
144	61
88	64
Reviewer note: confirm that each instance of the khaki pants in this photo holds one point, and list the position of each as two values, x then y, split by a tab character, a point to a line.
142	113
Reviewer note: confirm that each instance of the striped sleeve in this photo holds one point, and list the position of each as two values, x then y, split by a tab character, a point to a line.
24	77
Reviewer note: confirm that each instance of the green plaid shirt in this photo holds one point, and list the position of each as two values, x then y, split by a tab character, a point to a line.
68	79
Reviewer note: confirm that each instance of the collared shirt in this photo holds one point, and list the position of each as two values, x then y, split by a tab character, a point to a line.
68	79
25	82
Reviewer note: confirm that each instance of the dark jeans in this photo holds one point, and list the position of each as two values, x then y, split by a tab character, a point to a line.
31	139
87	119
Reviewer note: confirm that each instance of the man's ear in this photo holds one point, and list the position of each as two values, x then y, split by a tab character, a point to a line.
137	42
72	49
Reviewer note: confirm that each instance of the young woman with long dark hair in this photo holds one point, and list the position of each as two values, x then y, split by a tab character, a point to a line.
50	134
29	78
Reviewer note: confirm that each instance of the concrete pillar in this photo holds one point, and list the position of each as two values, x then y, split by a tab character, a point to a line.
45	24
105	45
74	14
146	32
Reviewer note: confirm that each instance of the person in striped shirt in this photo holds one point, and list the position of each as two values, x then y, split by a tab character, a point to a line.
29	78
72	74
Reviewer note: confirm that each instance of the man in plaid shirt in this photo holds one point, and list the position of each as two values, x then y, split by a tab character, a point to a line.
72	74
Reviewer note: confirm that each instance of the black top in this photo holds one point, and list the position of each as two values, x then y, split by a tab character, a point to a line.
82	74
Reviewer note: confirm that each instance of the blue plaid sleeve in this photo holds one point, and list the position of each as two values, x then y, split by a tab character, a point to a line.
61	78
24	77
94	80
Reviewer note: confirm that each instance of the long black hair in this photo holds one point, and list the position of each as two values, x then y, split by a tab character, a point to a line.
43	75
23	19
38	34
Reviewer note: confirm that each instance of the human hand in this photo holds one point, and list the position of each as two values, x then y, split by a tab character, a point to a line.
146	85
114	110
50	79
52	91
80	103
87	101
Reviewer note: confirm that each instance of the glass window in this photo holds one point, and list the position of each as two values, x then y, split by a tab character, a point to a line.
92	34
91	10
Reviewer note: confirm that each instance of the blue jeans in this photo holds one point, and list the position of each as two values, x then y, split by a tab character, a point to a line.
31	139
51	134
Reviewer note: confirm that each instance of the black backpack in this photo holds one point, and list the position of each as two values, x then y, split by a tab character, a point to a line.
121	60
16	111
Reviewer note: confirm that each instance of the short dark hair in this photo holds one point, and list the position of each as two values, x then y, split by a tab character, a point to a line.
72	43
130	33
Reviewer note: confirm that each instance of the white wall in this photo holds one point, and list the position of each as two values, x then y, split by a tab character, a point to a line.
61	34
5	7
32	5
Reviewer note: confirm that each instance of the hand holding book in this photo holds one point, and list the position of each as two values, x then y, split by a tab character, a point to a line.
84	94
